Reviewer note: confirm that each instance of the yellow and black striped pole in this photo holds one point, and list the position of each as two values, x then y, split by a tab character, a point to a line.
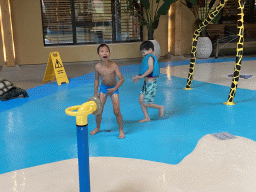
210	17
239	54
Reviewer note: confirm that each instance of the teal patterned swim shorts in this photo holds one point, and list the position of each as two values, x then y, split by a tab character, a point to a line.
149	91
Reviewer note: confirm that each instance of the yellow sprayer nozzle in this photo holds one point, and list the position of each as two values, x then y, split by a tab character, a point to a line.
82	111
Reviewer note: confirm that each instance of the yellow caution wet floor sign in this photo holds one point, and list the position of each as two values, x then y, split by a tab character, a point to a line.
55	68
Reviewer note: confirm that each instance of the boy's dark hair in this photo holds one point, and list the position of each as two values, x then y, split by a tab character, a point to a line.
147	45
102	45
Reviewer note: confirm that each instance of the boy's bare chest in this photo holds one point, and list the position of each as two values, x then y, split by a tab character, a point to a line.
106	71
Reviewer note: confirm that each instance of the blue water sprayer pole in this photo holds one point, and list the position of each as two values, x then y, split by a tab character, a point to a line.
83	158
93	105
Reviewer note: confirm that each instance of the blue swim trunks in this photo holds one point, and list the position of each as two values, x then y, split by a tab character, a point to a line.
104	89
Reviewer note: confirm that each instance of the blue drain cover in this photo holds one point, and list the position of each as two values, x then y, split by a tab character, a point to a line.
242	76
223	136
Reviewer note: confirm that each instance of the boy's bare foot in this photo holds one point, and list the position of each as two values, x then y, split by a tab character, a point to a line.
144	120
121	135
161	112
96	130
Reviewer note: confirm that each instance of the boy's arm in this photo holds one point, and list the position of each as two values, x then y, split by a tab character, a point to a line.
119	75
150	70
96	82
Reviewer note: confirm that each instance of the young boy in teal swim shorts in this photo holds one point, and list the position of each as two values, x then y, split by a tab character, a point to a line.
149	70
108	70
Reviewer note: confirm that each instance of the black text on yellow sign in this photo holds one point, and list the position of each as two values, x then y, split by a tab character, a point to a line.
55	68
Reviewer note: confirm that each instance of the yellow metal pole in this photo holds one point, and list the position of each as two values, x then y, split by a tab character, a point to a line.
239	54
210	17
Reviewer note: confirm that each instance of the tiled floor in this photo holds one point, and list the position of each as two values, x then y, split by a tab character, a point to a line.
175	153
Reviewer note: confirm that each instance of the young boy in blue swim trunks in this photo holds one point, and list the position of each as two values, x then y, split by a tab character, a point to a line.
108	70
149	70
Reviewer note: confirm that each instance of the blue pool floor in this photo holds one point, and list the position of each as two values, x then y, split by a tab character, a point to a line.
36	130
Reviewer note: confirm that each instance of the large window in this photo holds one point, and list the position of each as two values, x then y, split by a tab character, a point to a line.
87	22
230	11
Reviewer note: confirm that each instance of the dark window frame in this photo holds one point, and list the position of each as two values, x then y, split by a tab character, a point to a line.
74	26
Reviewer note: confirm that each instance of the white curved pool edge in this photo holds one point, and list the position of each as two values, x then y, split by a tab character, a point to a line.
214	165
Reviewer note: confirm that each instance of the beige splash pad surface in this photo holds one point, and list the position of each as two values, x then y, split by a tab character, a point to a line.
216	73
214	166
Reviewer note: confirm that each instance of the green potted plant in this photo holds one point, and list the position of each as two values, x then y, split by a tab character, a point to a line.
201	9
148	13
152	16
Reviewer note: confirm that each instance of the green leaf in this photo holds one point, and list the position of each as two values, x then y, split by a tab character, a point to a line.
189	4
211	3
146	4
155	24
163	10
169	2
193	2
143	23
217	18
156	17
